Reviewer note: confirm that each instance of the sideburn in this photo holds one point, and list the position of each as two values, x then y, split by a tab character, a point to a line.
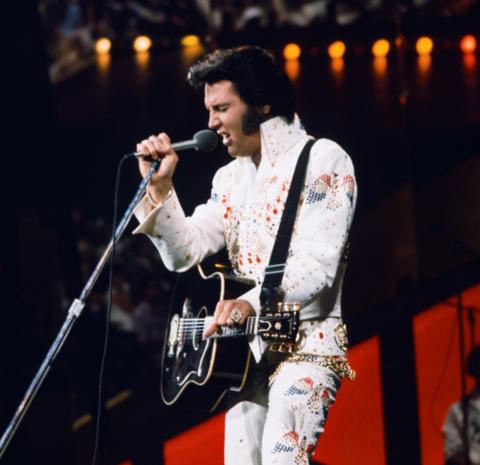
252	119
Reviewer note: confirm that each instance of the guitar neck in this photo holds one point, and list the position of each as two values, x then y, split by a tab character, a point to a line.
189	325
281	326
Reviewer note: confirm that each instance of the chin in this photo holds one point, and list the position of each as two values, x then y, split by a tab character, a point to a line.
232	152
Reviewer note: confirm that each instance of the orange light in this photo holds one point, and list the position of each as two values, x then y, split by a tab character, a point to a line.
424	45
380	66
142	43
292	68
103	46
292	52
337	65
336	49
190	41
468	44
424	63
380	48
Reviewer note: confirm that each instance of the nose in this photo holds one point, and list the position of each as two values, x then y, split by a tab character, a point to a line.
213	121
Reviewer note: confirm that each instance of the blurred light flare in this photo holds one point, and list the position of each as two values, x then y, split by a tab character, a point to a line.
380	66
103	62
190	40
142	59
380	48
142	44
292	68
292	52
337	49
424	63
337	65
424	45
468	44
103	46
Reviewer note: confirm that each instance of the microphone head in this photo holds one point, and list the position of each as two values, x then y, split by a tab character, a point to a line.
206	140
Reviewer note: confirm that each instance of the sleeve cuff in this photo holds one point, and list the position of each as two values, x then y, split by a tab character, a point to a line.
146	213
253	298
257	344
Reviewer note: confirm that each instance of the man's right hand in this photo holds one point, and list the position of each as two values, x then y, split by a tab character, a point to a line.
159	148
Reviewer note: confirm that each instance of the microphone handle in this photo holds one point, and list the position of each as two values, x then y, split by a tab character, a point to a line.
177	146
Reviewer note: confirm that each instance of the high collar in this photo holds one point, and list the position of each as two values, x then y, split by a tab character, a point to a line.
278	137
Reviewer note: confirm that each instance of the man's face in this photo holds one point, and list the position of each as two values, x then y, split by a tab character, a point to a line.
227	111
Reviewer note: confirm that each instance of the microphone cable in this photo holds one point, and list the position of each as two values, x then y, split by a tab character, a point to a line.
109	310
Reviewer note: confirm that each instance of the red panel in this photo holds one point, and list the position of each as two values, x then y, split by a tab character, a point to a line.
438	369
201	445
354	430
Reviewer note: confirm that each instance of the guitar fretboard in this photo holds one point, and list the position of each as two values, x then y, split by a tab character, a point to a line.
196	326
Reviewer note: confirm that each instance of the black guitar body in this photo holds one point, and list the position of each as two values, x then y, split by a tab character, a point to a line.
201	371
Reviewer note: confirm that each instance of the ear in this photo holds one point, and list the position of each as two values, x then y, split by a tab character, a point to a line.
265	110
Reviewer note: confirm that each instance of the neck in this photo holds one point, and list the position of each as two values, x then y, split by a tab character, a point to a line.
256	158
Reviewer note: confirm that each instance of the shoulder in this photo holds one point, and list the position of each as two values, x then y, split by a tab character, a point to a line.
226	172
329	161
328	155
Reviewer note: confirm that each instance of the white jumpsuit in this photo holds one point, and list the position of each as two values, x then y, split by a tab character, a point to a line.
279	423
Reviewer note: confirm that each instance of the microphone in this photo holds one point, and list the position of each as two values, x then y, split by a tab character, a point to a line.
203	141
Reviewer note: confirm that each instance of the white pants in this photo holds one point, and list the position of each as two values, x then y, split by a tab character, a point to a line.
280	424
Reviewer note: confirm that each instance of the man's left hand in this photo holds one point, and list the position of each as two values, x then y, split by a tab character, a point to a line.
223	315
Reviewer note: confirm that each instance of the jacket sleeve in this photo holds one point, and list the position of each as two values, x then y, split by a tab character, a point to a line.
183	241
324	219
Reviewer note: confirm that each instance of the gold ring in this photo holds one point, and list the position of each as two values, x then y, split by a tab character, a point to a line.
236	315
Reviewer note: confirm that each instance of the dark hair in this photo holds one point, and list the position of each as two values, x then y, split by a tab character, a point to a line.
473	362
257	76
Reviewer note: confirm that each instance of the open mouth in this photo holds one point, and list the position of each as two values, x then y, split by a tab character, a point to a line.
226	139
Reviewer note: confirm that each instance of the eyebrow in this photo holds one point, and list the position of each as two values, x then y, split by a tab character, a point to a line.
216	106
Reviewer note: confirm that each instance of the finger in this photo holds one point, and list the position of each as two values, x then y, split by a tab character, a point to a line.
159	144
224	316
228	309
213	328
142	147
217	312
165	139
150	146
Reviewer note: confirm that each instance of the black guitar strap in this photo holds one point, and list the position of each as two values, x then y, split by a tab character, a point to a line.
271	292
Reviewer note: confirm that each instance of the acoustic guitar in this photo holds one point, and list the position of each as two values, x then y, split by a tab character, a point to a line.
201	370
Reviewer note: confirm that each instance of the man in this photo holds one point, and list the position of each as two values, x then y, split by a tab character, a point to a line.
453	429
251	106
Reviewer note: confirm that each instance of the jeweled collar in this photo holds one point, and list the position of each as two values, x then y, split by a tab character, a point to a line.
278	137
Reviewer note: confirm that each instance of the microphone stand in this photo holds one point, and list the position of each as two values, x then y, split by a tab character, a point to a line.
74	312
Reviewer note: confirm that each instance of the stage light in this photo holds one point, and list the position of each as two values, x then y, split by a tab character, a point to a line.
142	43
468	44
380	48
103	46
190	41
292	52
424	45
336	49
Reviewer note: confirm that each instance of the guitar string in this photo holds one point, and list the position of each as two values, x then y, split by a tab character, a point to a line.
199	321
